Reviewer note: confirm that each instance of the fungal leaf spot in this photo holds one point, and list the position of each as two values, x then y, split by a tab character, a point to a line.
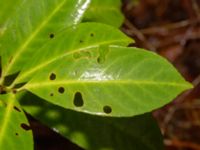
92	34
100	60
107	109
51	36
14	91
52	76
25	127
61	90
78	99
82	54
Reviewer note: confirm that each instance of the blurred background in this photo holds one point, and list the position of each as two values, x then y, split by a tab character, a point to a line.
171	28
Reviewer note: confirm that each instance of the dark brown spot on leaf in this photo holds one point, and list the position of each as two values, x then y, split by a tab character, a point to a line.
78	99
99	60
52	76
103	51
16	134
92	34
51	36
17	109
14	91
82	54
25	127
51	94
107	109
81	41
61	90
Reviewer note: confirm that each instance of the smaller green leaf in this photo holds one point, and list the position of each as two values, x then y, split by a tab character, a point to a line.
97	133
114	81
15	131
106	11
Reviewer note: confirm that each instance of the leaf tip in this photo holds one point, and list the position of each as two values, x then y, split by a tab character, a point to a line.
189	85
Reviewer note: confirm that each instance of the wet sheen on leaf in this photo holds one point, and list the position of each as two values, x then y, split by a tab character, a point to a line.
130	81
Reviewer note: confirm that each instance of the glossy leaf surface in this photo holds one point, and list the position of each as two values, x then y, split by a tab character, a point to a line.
106	11
7	9
115	81
32	25
72	41
97	133
15	132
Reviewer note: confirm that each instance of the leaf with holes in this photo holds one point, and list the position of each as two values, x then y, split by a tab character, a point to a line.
15	132
82	38
86	67
33	25
107	11
108	80
138	133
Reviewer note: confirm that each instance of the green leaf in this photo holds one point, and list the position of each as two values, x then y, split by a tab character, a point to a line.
106	11
114	81
14	127
34	24
97	133
7	9
72	40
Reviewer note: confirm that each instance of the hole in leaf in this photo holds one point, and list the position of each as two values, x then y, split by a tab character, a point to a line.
17	109
25	127
61	90
78	99
107	109
51	36
52	76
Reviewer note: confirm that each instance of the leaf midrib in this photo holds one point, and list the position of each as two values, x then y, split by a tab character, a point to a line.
32	36
124	82
6	118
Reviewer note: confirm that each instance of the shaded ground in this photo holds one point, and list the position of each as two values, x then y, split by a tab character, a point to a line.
171	28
